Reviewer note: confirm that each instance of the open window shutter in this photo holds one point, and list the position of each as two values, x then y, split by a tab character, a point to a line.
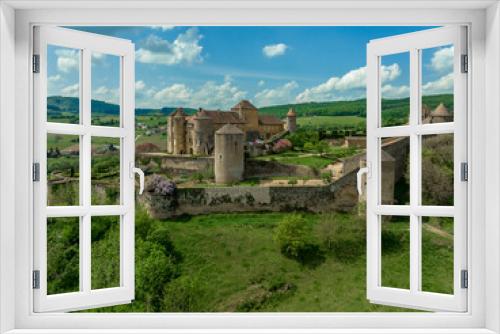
64	278
400	148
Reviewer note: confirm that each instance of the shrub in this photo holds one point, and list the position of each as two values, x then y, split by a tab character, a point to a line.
154	269
292	181
294	236
184	294
160	186
197	177
343	236
326	176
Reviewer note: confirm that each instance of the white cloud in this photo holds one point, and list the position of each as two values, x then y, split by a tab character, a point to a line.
279	95
140	85
163	27
274	50
71	90
184	49
443	85
442	59
174	95
210	95
109	95
395	92
54	78
390	72
67	60
349	86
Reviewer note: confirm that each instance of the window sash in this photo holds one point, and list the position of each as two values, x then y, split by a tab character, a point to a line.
414	297
86	297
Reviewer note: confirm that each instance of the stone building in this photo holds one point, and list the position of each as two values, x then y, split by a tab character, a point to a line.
195	134
229	154
291	120
439	115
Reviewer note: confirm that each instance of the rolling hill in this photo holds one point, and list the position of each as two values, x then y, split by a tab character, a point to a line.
394	109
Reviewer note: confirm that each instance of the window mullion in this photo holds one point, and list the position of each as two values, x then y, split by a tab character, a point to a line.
85	177
415	172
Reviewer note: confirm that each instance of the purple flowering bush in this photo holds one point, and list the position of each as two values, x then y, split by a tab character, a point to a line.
158	185
282	145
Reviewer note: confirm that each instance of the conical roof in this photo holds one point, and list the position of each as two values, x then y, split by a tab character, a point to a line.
440	111
291	112
229	129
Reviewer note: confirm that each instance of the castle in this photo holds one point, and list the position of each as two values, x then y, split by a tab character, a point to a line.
195	134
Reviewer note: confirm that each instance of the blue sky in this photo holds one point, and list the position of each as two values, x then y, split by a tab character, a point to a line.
214	67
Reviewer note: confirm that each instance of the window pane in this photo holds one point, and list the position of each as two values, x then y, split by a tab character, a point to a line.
437	169
63	169
395	89
105	89
395	257
63	255
105	171
437	84
395	170
437	254
105	252
63	84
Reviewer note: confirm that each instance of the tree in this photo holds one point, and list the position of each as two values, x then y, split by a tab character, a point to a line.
294	235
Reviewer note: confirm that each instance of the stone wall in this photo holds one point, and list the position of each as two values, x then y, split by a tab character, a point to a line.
339	196
262	169
399	150
182	163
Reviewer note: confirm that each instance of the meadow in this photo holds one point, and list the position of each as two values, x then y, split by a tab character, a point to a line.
233	263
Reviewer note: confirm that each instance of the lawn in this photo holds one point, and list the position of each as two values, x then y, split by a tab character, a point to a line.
332	121
232	262
310	158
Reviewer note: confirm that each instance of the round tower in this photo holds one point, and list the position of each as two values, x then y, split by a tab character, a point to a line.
202	133
179	132
170	133
291	120
229	161
441	114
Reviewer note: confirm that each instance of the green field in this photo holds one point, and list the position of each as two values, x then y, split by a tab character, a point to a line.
332	121
312	158
232	262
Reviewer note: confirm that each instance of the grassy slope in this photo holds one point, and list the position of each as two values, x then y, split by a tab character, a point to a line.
232	253
328	121
233	260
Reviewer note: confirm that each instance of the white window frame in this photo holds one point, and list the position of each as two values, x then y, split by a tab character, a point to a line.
483	18
86	44
414	44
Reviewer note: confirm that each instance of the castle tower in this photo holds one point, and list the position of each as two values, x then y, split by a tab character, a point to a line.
229	160
441	114
202	133
179	132
291	120
170	133
249	113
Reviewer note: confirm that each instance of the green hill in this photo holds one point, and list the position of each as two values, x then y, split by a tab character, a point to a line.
393	110
392	107
60	106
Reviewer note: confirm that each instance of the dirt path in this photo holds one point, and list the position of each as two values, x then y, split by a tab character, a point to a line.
438	231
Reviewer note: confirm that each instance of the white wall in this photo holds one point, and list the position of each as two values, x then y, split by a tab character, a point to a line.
7	167
492	210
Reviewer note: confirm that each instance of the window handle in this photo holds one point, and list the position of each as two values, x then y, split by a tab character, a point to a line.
134	170
359	183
